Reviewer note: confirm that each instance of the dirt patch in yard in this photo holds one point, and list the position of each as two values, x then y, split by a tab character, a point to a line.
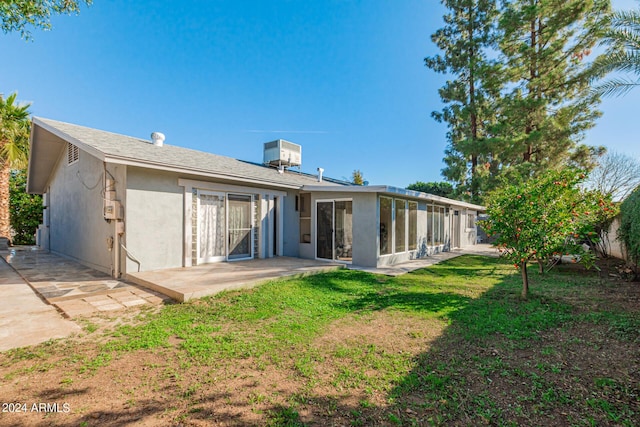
389	331
327	383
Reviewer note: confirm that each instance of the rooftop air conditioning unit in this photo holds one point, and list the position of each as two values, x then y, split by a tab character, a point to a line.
282	153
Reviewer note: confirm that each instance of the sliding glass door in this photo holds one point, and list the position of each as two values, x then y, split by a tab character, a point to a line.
334	230
240	229
224	227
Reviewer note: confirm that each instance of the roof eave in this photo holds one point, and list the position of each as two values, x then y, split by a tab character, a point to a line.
62	135
394	191
127	161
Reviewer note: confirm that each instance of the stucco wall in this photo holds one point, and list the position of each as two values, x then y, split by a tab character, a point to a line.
365	229
290	223
615	246
77	227
154	214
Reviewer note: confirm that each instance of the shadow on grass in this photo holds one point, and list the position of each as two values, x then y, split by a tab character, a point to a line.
549	360
409	301
505	361
367	292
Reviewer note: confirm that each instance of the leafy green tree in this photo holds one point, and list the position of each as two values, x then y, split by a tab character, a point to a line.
25	209
623	55
470	97
544	218
544	45
443	189
14	148
19	15
357	178
629	231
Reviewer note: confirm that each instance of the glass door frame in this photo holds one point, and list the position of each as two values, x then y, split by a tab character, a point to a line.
333	229
252	227
226	232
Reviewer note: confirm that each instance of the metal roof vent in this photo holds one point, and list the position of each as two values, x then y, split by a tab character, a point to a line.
157	139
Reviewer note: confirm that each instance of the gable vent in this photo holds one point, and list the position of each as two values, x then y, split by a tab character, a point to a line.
73	154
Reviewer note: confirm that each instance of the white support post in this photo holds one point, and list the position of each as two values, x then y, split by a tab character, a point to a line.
188	231
280	226
264	229
270	235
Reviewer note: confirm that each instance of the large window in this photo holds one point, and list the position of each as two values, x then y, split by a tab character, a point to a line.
471	220
436	225
304	207
413	226
386	225
429	225
401	221
441	224
398	225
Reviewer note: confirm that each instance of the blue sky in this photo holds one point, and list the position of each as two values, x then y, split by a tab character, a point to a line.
345	79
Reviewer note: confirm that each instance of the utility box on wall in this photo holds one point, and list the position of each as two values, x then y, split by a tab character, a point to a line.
112	209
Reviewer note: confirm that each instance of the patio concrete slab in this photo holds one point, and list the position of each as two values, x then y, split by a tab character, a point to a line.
183	284
406	267
25	319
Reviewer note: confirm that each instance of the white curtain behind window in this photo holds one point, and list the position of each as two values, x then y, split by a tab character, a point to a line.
239	225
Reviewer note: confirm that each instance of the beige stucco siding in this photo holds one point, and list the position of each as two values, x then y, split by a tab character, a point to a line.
77	227
154	219
290	224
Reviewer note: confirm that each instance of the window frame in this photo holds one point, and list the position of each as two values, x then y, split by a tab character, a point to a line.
390	229
412	219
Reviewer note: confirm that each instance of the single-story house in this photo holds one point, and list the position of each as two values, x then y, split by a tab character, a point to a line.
121	204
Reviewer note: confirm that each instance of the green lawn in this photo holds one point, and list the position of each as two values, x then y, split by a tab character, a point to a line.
452	344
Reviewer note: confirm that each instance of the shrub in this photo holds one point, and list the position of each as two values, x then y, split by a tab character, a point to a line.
25	209
629	231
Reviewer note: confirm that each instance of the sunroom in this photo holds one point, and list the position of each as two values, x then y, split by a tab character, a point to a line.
374	226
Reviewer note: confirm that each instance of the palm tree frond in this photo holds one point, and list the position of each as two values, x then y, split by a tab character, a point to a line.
616	87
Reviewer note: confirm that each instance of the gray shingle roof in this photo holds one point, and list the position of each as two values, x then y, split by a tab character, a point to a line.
122	148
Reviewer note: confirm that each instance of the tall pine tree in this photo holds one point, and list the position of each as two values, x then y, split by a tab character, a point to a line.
470	97
545	45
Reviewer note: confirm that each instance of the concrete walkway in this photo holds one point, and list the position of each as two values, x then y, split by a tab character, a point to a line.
24	318
73	288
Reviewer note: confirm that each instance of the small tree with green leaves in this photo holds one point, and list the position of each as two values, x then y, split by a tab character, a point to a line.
544	218
25	209
357	178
